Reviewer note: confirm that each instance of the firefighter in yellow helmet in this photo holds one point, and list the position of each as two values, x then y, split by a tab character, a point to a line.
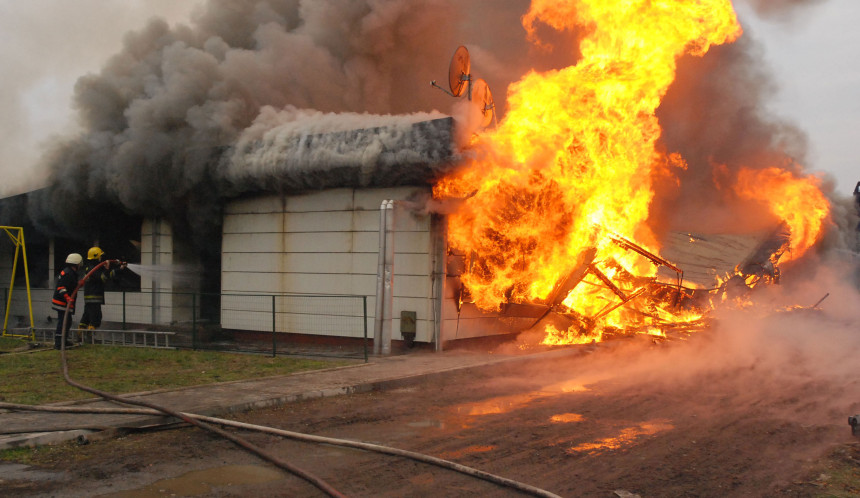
94	288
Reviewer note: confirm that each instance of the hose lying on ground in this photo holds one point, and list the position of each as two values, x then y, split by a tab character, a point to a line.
316	481
201	421
446	464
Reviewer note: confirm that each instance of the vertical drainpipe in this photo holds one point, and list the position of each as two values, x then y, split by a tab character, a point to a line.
438	231
388	293
380	281
384	280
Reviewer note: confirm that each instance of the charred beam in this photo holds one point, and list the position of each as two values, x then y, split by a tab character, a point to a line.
632	246
609	309
603	278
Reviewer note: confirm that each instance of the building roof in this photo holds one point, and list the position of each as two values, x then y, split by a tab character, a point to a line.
403	153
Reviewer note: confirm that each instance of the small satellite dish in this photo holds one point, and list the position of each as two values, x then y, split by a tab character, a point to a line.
482	98
459	71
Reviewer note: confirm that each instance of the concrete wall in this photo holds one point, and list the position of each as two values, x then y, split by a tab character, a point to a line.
324	244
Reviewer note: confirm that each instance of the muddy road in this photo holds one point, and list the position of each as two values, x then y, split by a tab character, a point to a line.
724	414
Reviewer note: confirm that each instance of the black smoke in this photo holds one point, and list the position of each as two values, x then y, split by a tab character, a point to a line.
167	115
163	113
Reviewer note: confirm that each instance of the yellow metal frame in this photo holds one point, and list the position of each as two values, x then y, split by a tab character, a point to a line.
17	236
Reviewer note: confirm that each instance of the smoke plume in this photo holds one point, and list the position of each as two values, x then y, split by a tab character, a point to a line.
184	116
166	114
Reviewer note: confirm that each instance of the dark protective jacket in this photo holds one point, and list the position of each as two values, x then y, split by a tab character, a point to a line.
66	283
94	288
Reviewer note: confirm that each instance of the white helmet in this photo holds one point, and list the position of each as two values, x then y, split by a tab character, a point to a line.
74	259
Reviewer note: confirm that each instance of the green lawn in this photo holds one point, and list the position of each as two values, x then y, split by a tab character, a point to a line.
36	377
10	344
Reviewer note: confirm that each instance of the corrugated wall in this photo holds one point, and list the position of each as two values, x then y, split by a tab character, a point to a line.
327	243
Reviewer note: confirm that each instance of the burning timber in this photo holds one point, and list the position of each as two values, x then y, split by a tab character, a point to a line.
698	273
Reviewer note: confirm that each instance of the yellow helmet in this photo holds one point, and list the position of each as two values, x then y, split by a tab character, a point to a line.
94	253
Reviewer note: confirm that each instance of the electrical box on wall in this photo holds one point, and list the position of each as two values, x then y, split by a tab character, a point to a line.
408	321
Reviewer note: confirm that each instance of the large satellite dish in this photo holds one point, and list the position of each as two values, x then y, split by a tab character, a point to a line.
460	80
459	71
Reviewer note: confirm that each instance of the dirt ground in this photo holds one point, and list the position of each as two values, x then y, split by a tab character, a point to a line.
704	417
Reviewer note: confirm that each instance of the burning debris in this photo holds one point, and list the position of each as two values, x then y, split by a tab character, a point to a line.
721	268
555	224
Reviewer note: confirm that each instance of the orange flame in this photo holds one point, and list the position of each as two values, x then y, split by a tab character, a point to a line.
551	195
575	153
798	201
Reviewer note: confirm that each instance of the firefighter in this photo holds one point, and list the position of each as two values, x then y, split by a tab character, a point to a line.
66	284
94	288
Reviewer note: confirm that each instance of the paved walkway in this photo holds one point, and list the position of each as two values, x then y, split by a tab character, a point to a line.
38	428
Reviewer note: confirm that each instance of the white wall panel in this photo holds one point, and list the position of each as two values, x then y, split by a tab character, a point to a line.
333	242
412	264
412	242
365	263
370	199
411	286
330	221
407	221
367	242
327	200
326	248
265	204
241	281
253	223
366	221
252	243
256	262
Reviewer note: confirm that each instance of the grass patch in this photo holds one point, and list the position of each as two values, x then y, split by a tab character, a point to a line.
8	344
18	455
841	474
36	378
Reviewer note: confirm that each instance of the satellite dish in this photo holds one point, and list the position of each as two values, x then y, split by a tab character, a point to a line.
482	98
459	71
460	81
459	76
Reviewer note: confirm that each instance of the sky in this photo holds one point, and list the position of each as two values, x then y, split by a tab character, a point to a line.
46	45
815	57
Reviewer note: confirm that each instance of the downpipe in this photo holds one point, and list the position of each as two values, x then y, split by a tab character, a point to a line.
384	280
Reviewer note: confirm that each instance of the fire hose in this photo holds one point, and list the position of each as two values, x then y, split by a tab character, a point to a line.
298	436
316	481
205	423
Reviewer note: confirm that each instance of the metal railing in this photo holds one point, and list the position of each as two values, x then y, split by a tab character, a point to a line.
312	325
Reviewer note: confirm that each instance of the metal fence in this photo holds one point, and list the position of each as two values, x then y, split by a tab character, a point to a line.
312	325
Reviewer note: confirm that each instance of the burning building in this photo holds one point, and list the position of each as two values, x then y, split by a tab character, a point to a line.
598	204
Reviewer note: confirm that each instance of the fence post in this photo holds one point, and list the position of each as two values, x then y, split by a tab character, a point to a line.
274	327
194	321
123	310
364	304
